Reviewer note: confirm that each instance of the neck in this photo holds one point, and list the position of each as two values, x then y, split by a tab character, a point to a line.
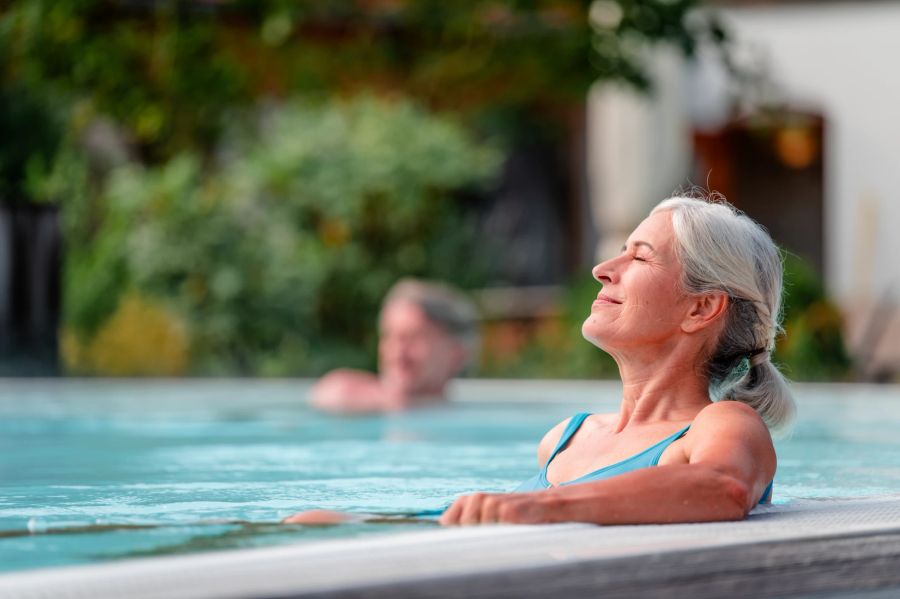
665	384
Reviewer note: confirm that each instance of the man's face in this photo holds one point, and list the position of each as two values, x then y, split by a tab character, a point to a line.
415	356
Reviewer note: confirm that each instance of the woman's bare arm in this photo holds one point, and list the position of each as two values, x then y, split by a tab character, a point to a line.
730	461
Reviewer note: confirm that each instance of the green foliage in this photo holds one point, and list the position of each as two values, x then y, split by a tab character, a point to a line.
170	71
276	242
622	29
160	75
31	132
813	346
279	254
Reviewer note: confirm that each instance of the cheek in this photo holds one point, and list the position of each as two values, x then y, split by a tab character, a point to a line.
393	352
653	297
418	351
437	356
600	324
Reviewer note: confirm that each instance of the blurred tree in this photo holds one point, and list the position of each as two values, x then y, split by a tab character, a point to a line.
279	241
168	71
37	130
140	338
277	255
813	346
160	74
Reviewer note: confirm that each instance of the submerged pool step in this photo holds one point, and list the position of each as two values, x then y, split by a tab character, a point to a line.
806	548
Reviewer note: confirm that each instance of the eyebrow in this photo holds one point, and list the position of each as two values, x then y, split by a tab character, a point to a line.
652	249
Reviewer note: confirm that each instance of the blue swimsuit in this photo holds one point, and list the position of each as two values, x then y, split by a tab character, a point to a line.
644	459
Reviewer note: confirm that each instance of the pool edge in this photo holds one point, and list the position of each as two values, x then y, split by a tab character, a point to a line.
848	545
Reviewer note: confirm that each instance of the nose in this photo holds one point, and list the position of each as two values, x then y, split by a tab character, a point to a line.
605	272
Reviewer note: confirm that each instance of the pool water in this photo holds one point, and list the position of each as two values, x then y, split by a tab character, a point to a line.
95	470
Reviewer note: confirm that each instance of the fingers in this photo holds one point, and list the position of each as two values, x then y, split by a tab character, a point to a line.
465	510
471	512
492	508
450	516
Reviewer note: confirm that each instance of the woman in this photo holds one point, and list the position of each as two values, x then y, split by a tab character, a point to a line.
689	310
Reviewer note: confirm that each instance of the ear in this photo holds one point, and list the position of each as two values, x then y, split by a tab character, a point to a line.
705	310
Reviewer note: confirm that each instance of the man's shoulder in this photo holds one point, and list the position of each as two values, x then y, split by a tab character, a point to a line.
347	376
346	390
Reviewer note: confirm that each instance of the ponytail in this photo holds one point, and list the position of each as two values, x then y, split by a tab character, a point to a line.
762	387
723	250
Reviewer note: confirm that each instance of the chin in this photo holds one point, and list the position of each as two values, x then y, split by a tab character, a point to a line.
592	331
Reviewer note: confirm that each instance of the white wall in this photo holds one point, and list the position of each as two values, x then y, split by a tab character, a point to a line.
639	149
845	60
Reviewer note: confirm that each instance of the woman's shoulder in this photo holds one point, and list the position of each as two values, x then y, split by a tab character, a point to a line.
727	413
728	424
731	437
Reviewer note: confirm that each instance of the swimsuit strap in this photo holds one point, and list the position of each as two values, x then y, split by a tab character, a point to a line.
767	494
574	424
661	447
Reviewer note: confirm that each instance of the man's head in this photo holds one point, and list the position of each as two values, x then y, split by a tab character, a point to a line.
428	334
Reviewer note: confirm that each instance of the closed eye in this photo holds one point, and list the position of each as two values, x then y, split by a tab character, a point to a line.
634	248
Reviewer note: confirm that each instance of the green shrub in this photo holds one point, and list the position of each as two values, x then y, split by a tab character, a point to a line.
31	131
813	345
278	255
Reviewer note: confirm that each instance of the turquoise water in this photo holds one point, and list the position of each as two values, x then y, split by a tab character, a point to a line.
94	471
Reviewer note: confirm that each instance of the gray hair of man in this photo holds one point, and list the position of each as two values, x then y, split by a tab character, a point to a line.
446	307
723	250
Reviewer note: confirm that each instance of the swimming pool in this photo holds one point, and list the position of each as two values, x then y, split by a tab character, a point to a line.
93	471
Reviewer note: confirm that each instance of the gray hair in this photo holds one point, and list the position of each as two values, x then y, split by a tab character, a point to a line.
723	250
446	307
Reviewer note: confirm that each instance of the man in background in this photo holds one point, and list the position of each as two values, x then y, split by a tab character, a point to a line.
428	333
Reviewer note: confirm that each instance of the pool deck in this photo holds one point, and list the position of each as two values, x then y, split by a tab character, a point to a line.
835	548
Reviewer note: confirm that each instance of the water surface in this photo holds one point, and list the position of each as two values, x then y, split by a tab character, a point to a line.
98	470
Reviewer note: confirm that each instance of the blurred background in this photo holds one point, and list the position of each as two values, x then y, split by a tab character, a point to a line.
225	187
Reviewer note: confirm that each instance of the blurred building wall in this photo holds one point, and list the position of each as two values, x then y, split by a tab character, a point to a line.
841	59
639	149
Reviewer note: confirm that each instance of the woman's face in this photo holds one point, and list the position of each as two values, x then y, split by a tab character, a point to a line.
641	303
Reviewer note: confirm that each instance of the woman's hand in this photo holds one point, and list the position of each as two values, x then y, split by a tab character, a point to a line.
510	508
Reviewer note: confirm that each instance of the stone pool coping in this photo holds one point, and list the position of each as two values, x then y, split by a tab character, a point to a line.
816	548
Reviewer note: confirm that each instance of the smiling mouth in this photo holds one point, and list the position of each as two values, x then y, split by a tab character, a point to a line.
605	299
